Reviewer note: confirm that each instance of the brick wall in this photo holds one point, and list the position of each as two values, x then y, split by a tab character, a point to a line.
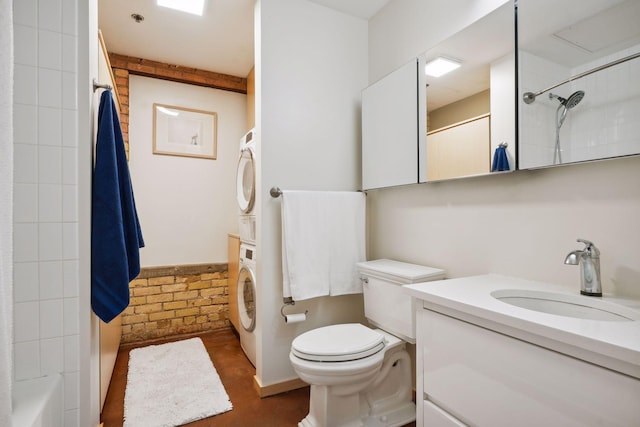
122	86
169	301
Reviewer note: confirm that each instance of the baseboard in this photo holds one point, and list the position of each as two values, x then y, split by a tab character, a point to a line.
273	389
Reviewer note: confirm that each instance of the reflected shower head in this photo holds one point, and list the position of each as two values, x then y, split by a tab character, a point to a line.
561	114
573	100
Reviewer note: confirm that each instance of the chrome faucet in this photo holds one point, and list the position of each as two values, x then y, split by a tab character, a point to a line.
589	261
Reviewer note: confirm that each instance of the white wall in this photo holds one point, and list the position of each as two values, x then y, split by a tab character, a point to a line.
46	186
311	66
521	224
186	205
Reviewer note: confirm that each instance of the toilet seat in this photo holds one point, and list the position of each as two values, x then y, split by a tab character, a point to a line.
338	343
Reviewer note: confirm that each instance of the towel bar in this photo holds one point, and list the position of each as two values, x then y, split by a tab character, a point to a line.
277	192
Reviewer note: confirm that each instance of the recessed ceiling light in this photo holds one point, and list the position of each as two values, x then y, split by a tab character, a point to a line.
440	66
195	7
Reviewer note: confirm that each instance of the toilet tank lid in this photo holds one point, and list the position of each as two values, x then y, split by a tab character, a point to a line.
398	271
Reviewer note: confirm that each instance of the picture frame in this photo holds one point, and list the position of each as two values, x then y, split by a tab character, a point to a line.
187	132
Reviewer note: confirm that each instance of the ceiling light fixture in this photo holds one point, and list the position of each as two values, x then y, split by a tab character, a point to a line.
195	7
440	66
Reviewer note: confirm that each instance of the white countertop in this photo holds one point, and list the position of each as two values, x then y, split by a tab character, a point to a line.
612	344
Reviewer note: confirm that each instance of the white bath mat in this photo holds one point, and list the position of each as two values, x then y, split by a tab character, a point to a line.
172	384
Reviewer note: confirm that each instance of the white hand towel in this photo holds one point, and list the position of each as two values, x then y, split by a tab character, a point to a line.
323	237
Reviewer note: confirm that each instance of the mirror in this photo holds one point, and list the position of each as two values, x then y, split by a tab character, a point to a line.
471	110
579	92
465	115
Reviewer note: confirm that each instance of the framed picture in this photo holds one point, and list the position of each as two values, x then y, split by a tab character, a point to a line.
185	132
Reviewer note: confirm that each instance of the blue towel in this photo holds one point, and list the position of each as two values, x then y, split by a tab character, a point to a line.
500	160
115	230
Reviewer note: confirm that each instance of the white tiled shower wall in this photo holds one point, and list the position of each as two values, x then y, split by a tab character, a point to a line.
604	124
46	331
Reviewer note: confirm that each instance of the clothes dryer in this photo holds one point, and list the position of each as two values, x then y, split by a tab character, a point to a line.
246	173
246	295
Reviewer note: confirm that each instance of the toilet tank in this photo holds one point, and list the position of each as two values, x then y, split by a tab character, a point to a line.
386	305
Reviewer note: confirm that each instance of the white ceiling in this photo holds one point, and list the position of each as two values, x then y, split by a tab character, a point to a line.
220	41
361	8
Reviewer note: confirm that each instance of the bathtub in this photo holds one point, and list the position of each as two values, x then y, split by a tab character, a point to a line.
38	402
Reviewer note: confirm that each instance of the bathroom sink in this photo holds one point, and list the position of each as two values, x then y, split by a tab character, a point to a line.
578	306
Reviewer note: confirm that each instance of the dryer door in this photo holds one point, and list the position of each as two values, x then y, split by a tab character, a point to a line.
247	298
246	180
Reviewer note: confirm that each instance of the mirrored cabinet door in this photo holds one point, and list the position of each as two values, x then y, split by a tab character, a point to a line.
419	125
579	91
471	112
393	129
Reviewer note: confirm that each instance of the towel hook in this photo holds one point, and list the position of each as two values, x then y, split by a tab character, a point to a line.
275	192
97	86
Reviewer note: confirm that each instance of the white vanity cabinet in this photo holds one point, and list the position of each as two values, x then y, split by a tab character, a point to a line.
471	375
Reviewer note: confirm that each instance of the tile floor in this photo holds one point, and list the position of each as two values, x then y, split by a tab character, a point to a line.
236	373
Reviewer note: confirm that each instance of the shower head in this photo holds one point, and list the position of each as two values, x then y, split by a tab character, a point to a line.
573	100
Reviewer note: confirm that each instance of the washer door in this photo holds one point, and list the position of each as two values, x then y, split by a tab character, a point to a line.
247	298
245	180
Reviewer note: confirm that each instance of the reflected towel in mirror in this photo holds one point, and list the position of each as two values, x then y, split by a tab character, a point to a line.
500	160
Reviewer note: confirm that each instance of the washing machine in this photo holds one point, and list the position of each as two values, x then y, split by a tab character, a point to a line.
246	294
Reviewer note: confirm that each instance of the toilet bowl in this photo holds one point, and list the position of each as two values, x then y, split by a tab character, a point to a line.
359	389
361	376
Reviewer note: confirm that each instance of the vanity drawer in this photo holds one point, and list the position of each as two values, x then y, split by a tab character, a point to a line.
490	379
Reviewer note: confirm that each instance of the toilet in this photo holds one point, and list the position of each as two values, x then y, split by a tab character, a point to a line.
359	375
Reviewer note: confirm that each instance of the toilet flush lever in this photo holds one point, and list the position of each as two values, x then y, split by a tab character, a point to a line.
364	280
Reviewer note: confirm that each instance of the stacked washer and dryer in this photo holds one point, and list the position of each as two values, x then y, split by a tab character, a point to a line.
246	290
